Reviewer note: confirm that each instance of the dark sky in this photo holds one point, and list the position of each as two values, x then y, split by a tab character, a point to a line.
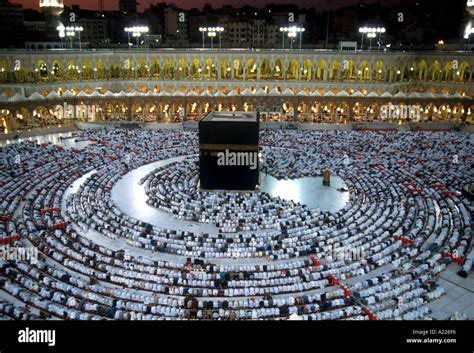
187	4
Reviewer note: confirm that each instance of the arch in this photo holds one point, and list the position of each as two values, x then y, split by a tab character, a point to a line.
248	106
150	112
237	70
169	69
364	70
329	112
335	71
3	70
142	68
278	70
251	69
127	69
464	72
23	119
427	112
87	71
164	112
307	71
393	74
108	111
41	116
435	71
359	112
137	112
183	69
192	110
56	115
449	72
99	70
177	112
457	112
316	112
288	111
321	70
23	75
343	112
469	117
119	112
301	112
293	69
210	72
373	111
410	71
42	73
6	121
221	107
57	71
196	69
349	70
444	112
155	69
114	71
143	88
224	69
422	70
265	70
72	70
379	70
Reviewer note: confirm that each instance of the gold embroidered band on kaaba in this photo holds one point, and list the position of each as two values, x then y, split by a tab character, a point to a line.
230	147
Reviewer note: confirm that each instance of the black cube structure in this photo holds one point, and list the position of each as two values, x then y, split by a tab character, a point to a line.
228	151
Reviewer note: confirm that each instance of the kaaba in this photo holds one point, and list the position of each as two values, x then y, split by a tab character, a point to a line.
228	151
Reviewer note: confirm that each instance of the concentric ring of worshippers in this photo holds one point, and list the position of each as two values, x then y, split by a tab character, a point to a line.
175	188
404	212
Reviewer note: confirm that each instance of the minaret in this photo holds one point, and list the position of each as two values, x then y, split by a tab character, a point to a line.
52	10
470	7
468	30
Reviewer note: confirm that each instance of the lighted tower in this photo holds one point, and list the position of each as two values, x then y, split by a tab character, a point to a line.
469	29
52	10
470	7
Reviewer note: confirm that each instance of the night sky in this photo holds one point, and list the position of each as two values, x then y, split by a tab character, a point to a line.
187	4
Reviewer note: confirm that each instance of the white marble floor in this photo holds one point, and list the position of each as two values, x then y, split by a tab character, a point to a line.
130	198
459	295
308	191
67	142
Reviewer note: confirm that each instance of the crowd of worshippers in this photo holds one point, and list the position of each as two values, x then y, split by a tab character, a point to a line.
175	188
367	183
282	228
404	210
56	293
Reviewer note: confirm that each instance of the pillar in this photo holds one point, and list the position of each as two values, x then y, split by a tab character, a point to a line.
129	110
171	114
